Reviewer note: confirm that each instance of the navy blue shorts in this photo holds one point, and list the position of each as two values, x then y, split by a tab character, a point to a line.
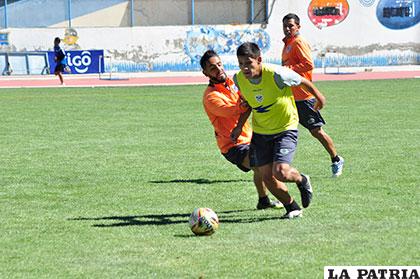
59	68
279	148
308	117
236	156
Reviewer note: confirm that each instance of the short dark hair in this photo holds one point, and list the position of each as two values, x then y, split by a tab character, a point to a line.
291	16
248	49
206	57
57	40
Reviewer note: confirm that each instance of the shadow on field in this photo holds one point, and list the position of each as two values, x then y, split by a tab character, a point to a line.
230	216
198	181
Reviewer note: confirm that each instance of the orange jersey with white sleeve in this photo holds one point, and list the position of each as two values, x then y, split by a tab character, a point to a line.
222	104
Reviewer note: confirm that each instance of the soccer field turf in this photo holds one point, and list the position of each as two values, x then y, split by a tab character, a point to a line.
100	182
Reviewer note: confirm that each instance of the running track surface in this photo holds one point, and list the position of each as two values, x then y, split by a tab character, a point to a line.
164	79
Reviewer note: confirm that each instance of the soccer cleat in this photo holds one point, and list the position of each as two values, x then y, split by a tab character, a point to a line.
305	191
271	204
292	214
337	167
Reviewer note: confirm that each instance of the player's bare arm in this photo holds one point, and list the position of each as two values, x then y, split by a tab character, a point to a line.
241	122
320	99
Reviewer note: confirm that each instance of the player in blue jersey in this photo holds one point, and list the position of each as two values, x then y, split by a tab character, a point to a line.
61	60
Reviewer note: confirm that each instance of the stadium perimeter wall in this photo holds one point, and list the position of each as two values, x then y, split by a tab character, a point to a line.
361	34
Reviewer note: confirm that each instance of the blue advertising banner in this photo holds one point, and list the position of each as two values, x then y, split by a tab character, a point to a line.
81	61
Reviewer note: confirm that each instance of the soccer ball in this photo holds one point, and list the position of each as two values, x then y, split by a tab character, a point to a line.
204	221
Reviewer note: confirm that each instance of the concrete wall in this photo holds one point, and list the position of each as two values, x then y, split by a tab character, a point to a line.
153	13
359	38
360	28
116	14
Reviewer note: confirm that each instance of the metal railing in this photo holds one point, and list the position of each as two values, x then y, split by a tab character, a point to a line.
24	63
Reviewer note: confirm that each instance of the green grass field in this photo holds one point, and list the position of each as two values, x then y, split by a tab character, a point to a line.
100	182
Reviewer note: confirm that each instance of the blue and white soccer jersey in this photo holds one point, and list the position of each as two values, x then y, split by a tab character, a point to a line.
61	59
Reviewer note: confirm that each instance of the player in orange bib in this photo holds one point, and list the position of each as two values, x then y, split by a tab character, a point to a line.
223	106
297	56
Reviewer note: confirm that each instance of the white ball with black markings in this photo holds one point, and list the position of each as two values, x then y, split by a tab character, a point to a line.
203	221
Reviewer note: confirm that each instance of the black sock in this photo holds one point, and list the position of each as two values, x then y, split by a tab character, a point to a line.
292	206
335	159
304	180
264	200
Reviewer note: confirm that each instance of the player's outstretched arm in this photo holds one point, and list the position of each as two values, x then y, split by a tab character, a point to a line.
236	132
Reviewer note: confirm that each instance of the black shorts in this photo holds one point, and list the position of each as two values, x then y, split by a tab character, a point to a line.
308	117
279	148
237	154
59	68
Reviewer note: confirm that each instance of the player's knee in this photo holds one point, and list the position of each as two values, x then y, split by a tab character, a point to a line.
282	174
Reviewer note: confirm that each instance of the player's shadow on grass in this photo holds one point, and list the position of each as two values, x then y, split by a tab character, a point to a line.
230	216
197	181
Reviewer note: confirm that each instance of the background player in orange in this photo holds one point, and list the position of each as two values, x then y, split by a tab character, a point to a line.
297	56
223	106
